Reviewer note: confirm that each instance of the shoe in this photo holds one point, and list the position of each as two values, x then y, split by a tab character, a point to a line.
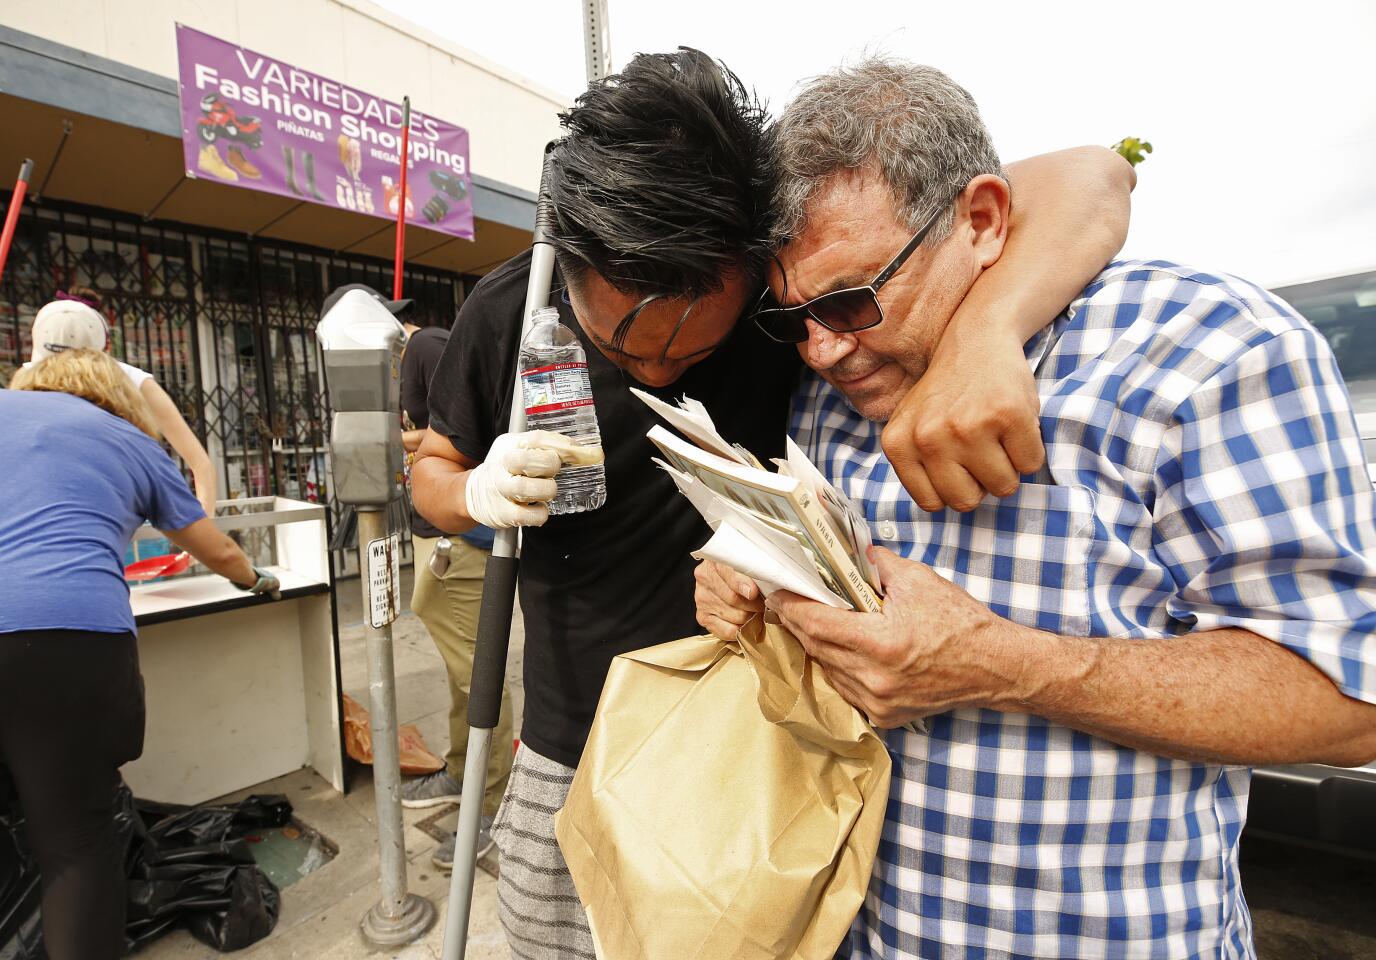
239	162
450	184
444	853
210	162
430	791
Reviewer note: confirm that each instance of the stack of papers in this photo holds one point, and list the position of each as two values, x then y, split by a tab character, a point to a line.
790	530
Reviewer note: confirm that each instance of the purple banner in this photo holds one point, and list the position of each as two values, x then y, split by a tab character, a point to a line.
255	122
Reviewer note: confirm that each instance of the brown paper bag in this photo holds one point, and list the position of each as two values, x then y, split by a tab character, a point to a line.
728	804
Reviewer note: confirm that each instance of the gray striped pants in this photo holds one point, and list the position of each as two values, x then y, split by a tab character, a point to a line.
536	898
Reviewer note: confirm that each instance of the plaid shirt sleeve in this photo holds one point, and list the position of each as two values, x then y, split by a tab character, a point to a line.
1264	511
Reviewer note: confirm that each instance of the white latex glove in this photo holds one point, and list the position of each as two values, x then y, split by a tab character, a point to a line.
513	486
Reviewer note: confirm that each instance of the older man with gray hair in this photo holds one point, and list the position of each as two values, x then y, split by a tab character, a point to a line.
1187	588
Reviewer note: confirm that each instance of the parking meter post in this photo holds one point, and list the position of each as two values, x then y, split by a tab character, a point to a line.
494	616
398	917
362	344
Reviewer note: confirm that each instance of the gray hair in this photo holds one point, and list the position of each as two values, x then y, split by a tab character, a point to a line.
914	125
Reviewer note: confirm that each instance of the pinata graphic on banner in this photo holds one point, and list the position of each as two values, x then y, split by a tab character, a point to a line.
252	121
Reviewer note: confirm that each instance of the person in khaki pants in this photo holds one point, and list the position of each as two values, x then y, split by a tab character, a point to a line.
448	606
447	603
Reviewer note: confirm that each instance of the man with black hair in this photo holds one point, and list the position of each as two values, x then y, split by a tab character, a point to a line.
660	195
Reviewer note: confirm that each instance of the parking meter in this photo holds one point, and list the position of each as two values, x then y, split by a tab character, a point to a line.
362	344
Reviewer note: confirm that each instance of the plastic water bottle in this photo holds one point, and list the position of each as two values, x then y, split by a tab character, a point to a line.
558	396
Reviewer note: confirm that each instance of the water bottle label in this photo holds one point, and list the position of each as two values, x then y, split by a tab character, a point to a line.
557	386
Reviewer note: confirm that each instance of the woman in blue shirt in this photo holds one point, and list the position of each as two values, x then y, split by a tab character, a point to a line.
82	472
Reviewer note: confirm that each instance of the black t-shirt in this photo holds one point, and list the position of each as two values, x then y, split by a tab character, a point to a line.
620	578
423	351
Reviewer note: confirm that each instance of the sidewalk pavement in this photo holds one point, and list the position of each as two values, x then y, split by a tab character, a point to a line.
321	912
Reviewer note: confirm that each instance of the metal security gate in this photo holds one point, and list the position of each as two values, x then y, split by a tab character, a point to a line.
225	324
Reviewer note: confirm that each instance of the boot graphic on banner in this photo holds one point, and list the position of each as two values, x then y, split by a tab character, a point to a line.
210	162
310	175
239	162
289	155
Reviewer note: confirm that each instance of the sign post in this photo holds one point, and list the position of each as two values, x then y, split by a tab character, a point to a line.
362	346
397	274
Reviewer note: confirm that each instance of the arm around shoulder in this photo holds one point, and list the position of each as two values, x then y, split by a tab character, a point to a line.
970	425
1069	217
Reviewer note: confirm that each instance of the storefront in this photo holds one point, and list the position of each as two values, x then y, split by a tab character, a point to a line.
213	288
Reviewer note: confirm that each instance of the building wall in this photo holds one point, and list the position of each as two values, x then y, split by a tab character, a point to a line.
509	119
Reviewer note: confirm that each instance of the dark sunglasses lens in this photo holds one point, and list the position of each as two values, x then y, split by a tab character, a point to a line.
847	310
785	325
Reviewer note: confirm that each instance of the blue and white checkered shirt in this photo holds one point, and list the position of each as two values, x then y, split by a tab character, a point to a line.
1204	471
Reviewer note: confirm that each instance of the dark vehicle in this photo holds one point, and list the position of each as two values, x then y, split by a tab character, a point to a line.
1310	802
220	122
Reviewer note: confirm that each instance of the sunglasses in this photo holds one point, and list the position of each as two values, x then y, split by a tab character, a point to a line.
841	311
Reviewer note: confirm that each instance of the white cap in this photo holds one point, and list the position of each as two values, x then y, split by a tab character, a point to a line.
67	325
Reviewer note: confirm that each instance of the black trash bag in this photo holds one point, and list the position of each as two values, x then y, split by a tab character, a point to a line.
196	871
27	940
185	881
173	825
21	930
247	913
186	866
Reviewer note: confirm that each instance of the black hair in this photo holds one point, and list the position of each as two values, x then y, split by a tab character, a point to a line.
661	184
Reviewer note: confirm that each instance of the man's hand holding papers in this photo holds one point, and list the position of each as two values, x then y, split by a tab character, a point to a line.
726	599
934	648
